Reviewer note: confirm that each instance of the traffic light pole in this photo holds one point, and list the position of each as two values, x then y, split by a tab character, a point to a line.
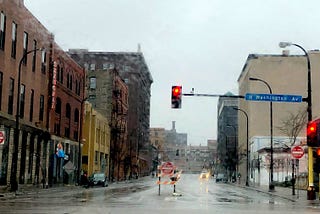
213	95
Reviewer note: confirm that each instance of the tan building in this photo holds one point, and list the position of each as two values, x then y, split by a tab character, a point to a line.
157	137
96	147
285	74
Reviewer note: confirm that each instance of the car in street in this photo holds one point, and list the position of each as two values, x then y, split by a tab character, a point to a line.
204	174
221	178
98	179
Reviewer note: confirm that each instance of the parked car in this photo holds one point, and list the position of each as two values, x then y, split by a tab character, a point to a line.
97	179
221	178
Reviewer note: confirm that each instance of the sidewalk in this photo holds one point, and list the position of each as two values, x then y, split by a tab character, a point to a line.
30	189
285	193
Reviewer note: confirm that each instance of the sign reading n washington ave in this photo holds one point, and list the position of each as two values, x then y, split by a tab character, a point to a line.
274	97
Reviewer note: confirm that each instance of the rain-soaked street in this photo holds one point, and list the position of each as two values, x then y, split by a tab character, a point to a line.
193	195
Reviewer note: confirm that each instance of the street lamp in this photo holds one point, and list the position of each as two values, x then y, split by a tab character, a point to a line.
247	120
13	176
310	190
271	186
235	147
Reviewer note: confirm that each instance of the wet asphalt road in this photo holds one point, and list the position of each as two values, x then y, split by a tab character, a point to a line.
193	195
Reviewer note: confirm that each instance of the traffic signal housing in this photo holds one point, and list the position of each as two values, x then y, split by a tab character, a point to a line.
176	95
312	133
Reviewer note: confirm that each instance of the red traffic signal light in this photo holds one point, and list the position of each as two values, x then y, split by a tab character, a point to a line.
312	134
176	94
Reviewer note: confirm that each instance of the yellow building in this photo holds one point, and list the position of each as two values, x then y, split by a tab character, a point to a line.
96	146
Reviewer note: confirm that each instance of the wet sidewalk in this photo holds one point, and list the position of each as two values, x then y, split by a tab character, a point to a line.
299	196
30	189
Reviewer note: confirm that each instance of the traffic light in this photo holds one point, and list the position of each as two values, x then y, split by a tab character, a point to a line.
316	163
176	94
312	134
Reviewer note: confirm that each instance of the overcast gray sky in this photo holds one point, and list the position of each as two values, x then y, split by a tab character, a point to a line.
201	44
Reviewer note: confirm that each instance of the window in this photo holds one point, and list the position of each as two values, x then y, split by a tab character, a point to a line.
96	157
61	75
14	40
76	115
75	135
43	61
34	58
70	84
10	99
41	110
105	66
76	86
1	82
93	83
25	46
2	30
58	105
31	105
68	111
22	100
58	72
79	88
68	80
67	132
92	67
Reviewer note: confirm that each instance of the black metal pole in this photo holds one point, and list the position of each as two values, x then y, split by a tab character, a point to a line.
248	162
13	176
271	185
311	192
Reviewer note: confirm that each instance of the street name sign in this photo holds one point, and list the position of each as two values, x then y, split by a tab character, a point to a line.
274	97
297	152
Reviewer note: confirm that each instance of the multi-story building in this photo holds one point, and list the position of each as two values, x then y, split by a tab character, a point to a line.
227	151
66	92
133	70
46	116
96	148
157	140
23	74
197	159
285	74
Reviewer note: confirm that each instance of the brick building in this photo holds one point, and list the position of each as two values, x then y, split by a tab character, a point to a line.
20	32
134	72
28	48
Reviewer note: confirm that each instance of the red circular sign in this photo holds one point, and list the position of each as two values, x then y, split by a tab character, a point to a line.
2	137
297	152
167	168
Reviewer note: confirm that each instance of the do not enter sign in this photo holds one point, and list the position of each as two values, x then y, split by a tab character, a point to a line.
2	137
297	152
167	168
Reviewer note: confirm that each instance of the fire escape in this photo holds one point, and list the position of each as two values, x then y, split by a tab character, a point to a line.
118	133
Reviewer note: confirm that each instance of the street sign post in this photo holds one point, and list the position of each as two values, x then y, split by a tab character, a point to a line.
297	152
274	97
2	137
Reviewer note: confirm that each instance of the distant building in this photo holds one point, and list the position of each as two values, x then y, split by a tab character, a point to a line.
227	148
197	159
